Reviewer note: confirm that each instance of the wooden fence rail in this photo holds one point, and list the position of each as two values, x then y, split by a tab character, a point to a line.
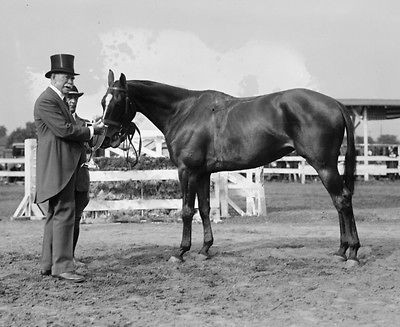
7	162
248	183
366	166
252	190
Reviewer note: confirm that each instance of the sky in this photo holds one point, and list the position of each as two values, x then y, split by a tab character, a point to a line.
342	48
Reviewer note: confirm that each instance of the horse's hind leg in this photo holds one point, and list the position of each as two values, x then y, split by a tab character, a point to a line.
203	195
342	199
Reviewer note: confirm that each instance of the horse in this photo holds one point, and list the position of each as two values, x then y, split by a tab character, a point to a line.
210	131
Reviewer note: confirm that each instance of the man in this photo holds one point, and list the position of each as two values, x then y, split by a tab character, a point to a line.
82	179
59	156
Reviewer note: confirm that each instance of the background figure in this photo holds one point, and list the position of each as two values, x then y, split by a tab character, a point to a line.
83	179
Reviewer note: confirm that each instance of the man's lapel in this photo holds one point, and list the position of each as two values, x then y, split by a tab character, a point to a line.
62	104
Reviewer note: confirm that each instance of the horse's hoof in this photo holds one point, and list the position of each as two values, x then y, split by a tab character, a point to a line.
339	258
203	257
175	259
350	263
364	252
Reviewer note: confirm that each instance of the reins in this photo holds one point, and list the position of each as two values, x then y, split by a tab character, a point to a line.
132	128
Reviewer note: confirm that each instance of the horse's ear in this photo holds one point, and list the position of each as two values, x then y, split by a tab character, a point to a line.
122	80
110	77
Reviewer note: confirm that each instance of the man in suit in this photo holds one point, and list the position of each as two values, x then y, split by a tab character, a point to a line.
59	156
82	179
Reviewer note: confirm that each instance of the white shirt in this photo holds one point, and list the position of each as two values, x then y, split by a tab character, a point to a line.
62	98
57	91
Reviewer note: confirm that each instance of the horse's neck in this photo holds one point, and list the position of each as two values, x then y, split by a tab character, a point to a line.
158	102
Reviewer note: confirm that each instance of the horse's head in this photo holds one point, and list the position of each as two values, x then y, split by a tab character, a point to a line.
118	112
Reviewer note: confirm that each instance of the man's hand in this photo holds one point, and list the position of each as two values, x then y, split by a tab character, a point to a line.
98	127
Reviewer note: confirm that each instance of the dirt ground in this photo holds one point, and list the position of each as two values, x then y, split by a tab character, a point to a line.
267	271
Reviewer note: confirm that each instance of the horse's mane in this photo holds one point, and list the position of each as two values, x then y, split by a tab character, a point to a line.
175	89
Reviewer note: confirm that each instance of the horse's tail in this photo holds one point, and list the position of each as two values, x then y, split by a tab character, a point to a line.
350	157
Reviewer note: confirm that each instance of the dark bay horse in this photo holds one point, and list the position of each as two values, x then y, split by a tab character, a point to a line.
209	131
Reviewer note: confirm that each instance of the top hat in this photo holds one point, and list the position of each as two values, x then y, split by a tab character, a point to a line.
73	92
61	63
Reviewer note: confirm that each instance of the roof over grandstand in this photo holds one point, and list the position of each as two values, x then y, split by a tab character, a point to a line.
378	109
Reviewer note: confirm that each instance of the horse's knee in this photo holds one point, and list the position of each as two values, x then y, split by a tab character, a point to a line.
204	212
187	213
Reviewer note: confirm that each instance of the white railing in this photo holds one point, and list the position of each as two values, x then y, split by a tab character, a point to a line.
249	181
7	162
366	166
295	166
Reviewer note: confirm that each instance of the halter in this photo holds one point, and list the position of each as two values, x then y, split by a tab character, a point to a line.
127	130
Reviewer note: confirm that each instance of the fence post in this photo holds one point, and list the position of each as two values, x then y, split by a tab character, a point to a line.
223	193
303	172
250	194
216	213
28	209
159	144
365	130
261	204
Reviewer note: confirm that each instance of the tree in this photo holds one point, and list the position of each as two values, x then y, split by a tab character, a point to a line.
360	140
3	131
20	134
388	139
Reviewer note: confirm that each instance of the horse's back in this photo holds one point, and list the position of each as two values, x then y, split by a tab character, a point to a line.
227	133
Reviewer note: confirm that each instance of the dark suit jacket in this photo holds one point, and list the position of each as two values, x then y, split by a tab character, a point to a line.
82	178
60	145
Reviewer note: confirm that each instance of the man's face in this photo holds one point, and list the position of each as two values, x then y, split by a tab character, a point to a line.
72	102
63	82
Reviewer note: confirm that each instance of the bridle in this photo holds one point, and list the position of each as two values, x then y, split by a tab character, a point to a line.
126	128
128	105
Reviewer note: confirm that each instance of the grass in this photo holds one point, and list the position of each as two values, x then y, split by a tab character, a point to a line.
280	196
10	197
286	196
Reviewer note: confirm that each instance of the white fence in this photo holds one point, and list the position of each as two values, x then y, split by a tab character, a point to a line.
250	182
6	171
367	166
294	166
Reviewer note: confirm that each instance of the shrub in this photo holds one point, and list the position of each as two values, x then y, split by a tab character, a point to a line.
128	190
144	163
168	189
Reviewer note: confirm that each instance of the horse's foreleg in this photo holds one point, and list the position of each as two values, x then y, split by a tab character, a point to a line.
203	195
188	186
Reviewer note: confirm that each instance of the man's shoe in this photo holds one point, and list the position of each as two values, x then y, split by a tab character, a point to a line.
71	277
45	272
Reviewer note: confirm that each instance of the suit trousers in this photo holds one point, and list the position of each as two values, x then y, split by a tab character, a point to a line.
57	251
81	201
